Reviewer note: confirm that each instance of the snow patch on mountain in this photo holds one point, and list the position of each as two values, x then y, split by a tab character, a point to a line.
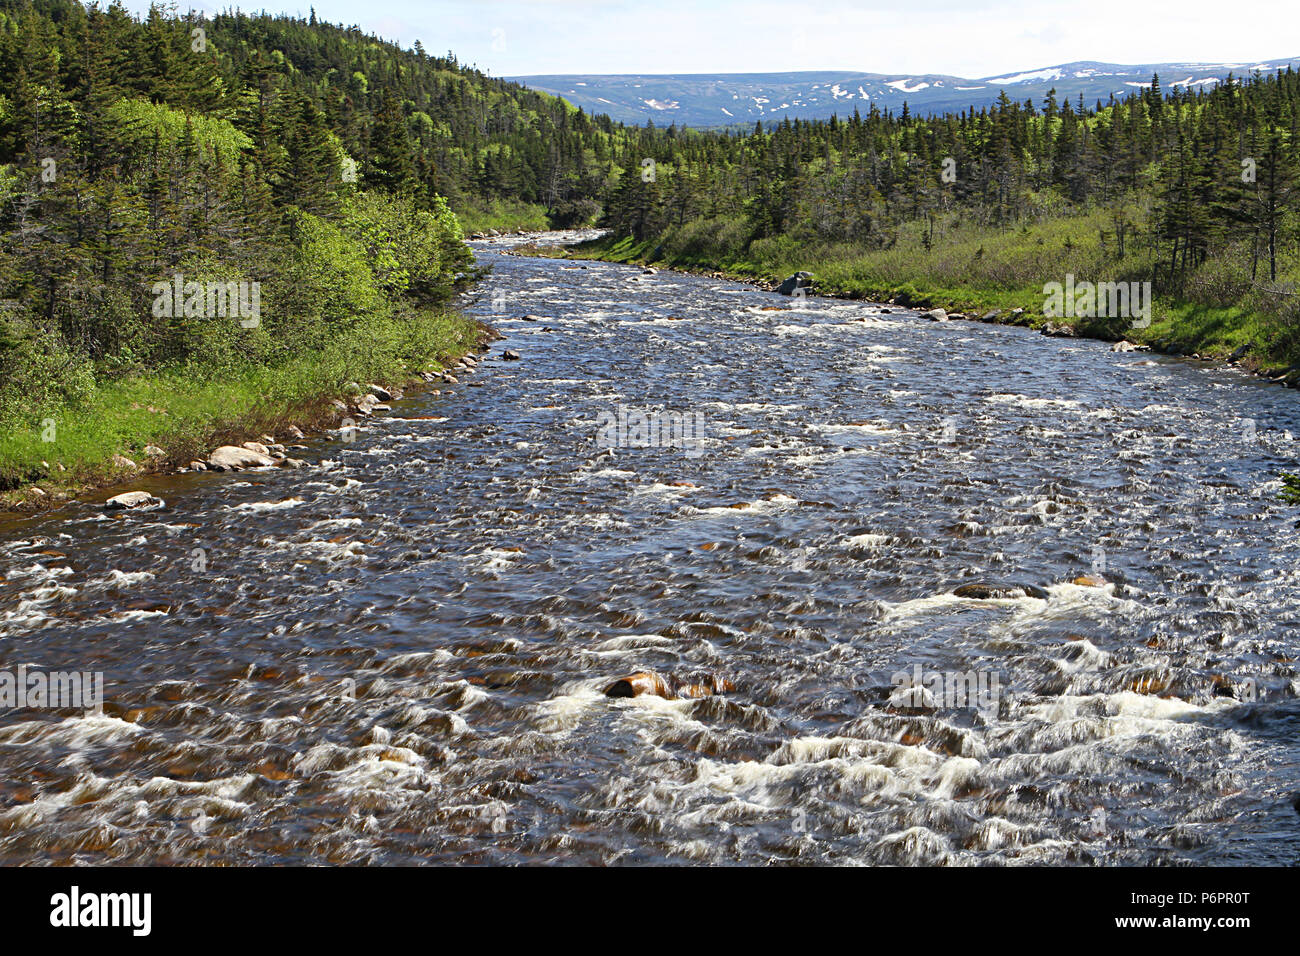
1048	74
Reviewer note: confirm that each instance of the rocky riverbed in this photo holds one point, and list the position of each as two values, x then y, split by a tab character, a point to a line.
704	574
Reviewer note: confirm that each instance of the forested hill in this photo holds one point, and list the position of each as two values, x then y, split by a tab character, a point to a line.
469	137
157	173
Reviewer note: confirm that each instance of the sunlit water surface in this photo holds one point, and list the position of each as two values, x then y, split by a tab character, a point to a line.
399	654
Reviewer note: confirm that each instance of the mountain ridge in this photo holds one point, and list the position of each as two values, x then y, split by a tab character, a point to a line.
723	99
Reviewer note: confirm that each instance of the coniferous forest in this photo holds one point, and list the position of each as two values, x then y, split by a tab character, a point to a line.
338	173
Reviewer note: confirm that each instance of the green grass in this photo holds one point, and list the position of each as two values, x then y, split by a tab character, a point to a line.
187	412
977	269
503	216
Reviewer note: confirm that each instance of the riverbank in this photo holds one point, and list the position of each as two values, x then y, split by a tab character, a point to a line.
979	280
166	422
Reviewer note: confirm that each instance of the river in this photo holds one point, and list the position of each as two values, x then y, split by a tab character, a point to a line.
399	653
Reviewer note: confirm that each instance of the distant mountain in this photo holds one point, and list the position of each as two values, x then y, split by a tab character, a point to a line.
724	99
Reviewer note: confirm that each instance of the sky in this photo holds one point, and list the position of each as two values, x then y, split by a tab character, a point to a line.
969	38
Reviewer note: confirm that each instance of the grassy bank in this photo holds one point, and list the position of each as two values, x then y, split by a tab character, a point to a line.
187	411
976	270
503	216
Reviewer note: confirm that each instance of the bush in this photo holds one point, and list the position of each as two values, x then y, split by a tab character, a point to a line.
413	253
328	285
38	373
574	213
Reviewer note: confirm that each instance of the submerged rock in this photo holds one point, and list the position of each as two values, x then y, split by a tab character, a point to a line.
669	688
132	499
990	592
1089	581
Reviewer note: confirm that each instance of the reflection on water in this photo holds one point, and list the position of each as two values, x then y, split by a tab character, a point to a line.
399	653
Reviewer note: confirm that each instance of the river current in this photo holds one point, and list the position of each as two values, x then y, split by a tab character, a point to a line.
399	653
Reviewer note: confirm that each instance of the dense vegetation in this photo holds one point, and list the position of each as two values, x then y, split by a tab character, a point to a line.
134	153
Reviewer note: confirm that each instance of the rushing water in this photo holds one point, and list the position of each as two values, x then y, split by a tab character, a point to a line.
399	654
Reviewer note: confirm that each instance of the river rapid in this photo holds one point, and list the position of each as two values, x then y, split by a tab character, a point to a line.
399	653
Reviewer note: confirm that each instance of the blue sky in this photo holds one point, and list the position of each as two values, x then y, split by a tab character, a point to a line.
973	38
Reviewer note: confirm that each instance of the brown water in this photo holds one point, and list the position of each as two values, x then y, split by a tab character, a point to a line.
398	655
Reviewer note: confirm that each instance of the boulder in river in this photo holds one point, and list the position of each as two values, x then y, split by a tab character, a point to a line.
669	688
381	393
133	499
367	405
991	592
937	315
510	354
800	280
230	458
